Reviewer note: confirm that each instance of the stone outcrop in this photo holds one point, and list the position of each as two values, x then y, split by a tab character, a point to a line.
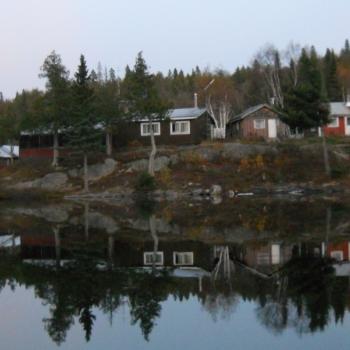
50	182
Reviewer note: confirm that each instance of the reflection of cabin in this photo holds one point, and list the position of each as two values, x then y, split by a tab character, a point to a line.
339	251
261	121
264	258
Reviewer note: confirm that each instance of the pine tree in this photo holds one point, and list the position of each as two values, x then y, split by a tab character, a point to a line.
305	106
84	136
56	99
144	100
332	86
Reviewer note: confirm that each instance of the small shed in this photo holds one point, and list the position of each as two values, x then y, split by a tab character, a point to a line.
261	121
7	153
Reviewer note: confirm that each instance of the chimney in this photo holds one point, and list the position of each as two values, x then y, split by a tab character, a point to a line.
195	101
347	104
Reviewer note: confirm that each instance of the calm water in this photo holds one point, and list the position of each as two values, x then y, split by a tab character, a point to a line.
268	274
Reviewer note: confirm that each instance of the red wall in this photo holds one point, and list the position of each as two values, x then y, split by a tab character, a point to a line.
339	131
36	153
343	246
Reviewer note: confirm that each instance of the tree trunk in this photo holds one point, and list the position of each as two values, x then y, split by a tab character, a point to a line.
11	152
153	153
108	143
86	174
56	231
325	155
86	220
152	227
55	149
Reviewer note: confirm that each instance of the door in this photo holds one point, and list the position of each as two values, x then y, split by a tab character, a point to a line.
272	128
347	125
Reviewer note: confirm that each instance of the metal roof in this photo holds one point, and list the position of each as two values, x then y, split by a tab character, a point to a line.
339	108
186	113
247	112
5	151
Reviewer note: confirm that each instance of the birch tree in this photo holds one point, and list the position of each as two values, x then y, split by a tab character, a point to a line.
269	60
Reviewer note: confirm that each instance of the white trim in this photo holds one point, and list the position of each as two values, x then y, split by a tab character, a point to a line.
185	122
330	125
181	255
337	255
150	254
156	133
260	120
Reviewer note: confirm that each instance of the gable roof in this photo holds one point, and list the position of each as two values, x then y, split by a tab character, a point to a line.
249	111
339	108
5	151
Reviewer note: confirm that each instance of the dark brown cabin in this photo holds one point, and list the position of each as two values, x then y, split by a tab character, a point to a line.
182	126
261	121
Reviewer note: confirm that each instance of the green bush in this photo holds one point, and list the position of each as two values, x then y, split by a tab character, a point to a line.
145	182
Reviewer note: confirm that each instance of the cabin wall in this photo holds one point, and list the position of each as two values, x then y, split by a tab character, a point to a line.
336	131
245	128
130	133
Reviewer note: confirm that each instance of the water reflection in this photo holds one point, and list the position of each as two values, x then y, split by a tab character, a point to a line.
138	258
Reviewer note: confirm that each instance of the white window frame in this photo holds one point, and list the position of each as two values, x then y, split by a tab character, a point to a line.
147	254
187	122
338	255
334	123
256	127
182	254
157	133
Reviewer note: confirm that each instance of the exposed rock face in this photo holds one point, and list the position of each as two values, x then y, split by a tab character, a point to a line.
216	190
236	151
52	213
96	171
50	182
159	163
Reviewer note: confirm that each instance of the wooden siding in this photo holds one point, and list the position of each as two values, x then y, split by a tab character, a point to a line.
245	127
131	133
337	131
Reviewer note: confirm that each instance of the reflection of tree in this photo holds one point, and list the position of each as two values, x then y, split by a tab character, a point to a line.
310	286
145	302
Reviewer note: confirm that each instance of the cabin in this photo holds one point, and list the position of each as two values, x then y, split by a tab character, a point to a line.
181	126
261	121
8	153
339	120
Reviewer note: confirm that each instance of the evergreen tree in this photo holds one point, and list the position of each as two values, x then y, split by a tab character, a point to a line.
56	99
332	86
305	106
84	136
144	101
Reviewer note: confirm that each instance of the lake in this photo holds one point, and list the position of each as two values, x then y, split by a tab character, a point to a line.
266	273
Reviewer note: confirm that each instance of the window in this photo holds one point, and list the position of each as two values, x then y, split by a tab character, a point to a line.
334	123
259	124
183	258
150	258
180	128
146	131
337	255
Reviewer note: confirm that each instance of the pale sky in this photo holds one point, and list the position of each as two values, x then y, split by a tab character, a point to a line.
171	33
